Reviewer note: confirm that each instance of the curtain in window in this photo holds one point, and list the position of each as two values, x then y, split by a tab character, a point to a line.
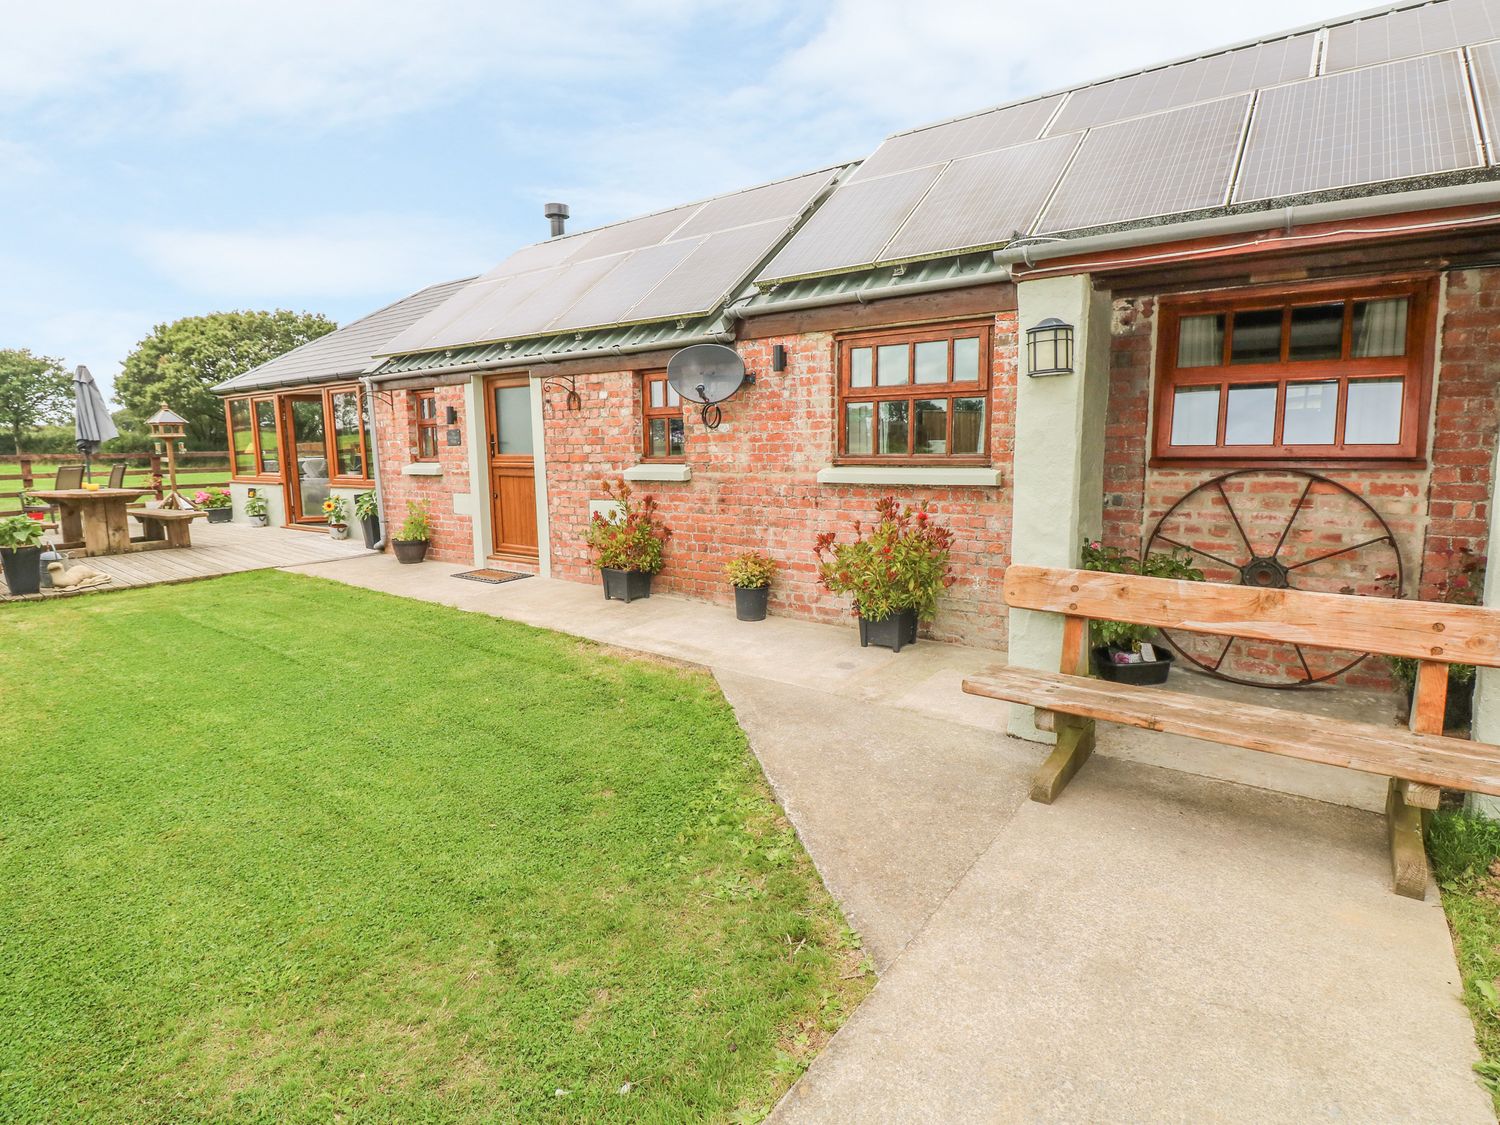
1200	341
1379	328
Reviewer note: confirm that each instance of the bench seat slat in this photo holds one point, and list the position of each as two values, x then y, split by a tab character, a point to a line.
1385	751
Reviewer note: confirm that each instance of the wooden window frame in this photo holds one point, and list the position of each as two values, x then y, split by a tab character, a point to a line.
649	412
259	475
911	336
1414	367
278	403
330	436
418	425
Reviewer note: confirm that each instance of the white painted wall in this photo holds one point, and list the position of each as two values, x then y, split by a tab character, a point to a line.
1058	471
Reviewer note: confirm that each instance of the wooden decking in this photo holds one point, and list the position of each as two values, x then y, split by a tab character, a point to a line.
218	548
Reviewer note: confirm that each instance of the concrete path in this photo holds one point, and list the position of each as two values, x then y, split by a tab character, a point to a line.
1157	946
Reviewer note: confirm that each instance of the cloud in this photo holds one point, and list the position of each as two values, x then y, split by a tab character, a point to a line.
333	258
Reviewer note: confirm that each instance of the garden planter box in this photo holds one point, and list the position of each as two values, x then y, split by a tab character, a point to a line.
410	550
22	567
625	585
893	632
750	603
370	525
1141	673
220	515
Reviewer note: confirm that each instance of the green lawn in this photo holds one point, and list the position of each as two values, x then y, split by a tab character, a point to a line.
1466	861
277	849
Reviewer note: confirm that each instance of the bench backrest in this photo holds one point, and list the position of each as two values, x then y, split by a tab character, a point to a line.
1429	631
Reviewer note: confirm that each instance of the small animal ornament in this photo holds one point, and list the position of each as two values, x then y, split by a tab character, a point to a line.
76	577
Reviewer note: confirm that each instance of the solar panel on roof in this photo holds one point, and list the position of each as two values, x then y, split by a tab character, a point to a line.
706	277
1484	65
608	301
996	128
983	200
1390	122
542	255
783	200
853	226
633	234
1200	80
1179	160
1412	31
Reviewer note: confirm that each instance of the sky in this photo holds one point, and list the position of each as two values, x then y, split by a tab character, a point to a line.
166	158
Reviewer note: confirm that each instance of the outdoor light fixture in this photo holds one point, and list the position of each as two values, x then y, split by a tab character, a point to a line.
1049	348
778	358
452	415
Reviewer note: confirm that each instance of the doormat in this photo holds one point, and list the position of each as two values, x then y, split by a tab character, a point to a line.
493	577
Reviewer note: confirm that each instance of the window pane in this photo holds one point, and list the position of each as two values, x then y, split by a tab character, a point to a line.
426	442
893	426
658	394
265	426
890	367
966	360
1200	341
1317	332
1257	337
242	438
513	419
932	361
932	425
1251	416
1195	416
1374	415
859	368
1379	328
968	426
427	408
674	437
859	438
673	398
346	427
1311	413
658	430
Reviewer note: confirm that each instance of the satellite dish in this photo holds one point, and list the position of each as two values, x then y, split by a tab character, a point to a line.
707	374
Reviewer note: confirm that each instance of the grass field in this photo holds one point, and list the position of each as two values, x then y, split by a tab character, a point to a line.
284	850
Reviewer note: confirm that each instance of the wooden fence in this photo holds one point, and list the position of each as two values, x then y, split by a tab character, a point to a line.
143	470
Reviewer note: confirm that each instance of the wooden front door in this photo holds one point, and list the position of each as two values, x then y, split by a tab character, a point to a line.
512	467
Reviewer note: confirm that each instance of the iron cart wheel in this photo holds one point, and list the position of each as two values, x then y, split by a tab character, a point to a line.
1278	529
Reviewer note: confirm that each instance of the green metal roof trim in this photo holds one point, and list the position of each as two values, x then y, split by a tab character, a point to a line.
977	269
543	349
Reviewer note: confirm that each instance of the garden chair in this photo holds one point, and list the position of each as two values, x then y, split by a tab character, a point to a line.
117	475
69	476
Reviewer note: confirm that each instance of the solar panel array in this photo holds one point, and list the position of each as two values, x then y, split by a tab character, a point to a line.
678	263
1378	100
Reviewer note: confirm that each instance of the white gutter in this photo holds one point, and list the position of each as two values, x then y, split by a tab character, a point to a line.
559	357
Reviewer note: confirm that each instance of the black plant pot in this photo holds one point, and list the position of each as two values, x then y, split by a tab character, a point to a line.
23	569
370	525
1141	673
220	515
625	585
410	550
894	632
750	602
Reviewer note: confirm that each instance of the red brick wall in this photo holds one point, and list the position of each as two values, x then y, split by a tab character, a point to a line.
754	486
395	427
1435	511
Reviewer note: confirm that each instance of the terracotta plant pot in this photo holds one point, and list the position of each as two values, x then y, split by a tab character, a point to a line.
625	585
894	632
220	515
410	550
750	602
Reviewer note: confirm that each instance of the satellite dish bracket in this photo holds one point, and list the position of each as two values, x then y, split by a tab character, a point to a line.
693	360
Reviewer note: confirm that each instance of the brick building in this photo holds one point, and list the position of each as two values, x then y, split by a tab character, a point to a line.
1276	265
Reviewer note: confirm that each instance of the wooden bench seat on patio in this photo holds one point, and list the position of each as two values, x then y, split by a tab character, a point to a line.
166	527
1418	762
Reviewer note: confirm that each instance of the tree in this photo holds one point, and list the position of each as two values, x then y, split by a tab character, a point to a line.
34	389
180	363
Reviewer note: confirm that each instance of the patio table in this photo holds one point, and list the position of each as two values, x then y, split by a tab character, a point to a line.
94	518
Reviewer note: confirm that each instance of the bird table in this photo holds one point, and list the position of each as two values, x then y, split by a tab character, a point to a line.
94	518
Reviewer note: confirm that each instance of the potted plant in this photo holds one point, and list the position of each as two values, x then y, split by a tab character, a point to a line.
215	501
412	541
336	508
894	569
259	511
750	574
1122	651
35	507
627	547
1462	584
368	514
21	554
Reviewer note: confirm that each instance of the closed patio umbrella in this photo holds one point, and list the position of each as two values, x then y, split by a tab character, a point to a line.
92	425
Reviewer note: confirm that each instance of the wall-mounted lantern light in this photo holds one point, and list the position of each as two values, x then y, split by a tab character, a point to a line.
452	415
1049	348
778	358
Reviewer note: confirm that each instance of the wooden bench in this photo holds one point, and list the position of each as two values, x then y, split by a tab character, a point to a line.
1419	761
166	527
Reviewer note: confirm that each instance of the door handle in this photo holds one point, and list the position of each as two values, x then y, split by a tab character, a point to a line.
492	445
